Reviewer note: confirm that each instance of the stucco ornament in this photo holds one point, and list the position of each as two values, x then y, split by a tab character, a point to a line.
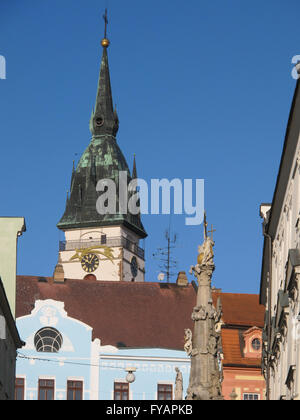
188	345
48	317
199	312
103	250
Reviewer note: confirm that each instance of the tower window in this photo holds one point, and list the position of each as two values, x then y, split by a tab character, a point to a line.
48	340
99	121
90	277
103	239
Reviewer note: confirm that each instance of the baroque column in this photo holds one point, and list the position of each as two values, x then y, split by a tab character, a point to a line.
204	345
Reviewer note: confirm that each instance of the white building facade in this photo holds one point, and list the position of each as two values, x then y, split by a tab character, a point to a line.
281	270
63	361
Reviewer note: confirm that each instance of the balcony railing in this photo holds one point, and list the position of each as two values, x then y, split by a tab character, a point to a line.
109	242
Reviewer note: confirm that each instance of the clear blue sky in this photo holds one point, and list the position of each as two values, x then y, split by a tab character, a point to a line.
203	90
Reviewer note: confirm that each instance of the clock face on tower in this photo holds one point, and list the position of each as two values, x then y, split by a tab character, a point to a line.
134	267
90	263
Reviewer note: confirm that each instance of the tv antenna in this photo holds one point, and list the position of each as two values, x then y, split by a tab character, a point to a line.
167	263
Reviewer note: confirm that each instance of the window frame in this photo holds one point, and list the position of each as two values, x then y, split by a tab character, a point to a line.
252	394
164	392
46	387
74	389
121	391
18	386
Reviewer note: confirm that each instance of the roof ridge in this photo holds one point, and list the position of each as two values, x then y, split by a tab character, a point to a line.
106	281
233	293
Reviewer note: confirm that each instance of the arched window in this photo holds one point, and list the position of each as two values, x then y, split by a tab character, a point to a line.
48	340
90	277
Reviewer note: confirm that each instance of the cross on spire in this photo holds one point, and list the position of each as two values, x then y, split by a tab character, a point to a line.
106	23
212	232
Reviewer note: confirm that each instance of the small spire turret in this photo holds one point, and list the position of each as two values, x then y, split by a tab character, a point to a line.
134	170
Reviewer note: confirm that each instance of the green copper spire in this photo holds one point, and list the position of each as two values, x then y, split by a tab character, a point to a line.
104	119
103	159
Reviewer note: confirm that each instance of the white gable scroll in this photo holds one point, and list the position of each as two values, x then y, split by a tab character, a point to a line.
2	328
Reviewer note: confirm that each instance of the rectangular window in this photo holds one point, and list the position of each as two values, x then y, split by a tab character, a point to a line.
46	389
121	391
19	389
103	239
74	390
164	392
250	397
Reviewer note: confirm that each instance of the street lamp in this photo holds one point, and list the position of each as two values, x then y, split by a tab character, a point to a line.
130	378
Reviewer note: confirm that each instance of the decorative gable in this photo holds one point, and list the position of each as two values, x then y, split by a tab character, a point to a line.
253	343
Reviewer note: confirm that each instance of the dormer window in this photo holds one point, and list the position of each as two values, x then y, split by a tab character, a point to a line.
252	342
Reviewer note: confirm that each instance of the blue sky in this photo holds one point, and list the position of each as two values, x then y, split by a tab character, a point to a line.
203	90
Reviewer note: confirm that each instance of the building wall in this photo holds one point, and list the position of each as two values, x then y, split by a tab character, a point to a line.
285	360
243	381
241	364
288	229
10	228
153	367
7	360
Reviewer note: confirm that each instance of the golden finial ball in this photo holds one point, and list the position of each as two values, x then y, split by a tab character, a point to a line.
105	43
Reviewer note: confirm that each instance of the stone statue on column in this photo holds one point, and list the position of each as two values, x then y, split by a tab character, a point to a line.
178	385
206	348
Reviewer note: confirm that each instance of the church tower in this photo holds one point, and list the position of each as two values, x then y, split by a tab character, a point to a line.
106	246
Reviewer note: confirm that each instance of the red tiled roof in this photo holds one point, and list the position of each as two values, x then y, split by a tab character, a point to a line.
232	350
121	314
241	309
138	314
